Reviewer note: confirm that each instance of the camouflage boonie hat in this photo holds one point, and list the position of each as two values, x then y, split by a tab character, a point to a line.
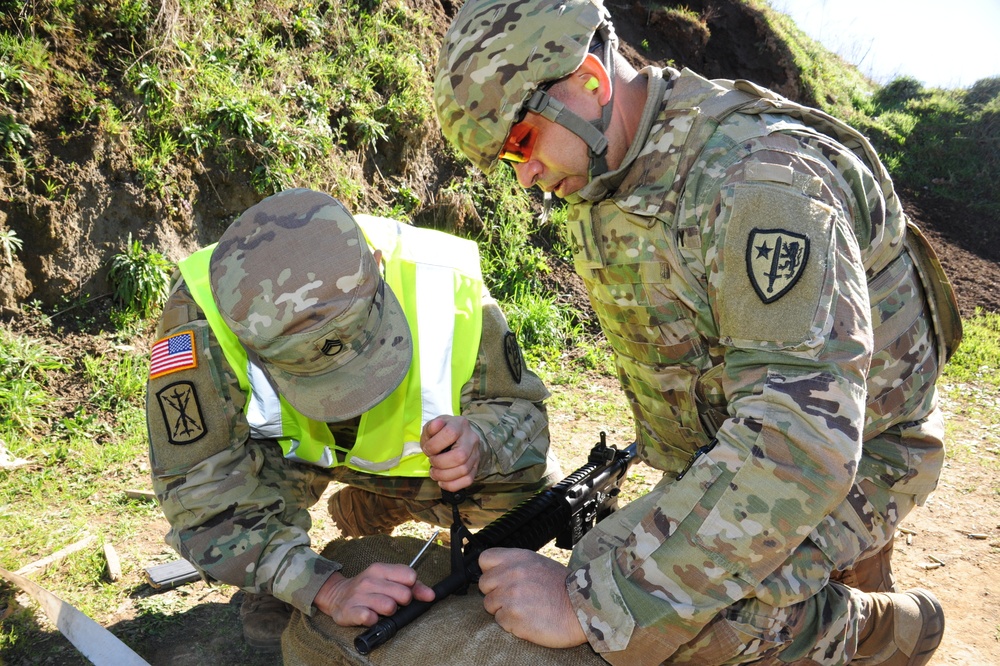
296	282
495	55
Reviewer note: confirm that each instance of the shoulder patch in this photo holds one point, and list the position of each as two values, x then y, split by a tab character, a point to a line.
181	412
512	354
775	261
172	354
773	272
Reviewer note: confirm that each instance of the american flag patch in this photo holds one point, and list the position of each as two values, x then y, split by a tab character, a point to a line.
173	354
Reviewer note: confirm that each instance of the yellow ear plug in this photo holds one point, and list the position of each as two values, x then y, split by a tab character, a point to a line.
592	84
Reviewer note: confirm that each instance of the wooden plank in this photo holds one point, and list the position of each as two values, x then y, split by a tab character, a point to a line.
114	563
95	642
56	556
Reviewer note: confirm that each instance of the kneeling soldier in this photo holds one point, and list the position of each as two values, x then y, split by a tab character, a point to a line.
308	346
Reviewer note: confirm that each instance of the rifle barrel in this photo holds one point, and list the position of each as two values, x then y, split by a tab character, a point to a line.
388	626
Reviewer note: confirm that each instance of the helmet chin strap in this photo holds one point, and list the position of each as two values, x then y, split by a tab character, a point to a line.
591	131
599	163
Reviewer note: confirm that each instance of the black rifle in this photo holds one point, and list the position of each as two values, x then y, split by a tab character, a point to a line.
564	512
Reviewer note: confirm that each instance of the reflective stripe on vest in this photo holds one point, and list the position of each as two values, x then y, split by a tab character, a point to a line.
446	333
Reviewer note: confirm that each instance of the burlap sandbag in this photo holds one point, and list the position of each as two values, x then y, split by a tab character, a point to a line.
455	631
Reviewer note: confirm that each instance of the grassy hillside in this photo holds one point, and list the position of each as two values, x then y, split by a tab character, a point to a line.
945	141
160	122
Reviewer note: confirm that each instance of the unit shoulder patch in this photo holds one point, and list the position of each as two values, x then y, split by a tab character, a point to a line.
775	260
773	279
512	354
182	414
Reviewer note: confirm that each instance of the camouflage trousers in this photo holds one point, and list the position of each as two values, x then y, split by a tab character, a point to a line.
821	625
822	629
486	500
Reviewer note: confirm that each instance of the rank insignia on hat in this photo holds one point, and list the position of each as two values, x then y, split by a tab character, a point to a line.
181	413
332	347
775	261
512	354
173	354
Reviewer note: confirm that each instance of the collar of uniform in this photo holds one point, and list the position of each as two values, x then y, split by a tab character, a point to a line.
603	186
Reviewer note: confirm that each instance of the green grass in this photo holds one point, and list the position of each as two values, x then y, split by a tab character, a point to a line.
943	141
25	364
969	392
279	93
977	359
80	460
514	265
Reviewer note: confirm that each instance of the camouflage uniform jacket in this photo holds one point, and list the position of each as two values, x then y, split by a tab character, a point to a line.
248	526
751	277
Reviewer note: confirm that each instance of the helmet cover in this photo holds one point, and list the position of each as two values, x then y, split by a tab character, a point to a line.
495	55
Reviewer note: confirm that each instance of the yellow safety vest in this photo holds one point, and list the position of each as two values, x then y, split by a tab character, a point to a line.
421	267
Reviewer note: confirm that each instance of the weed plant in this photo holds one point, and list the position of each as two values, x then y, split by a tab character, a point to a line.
139	278
10	244
14	136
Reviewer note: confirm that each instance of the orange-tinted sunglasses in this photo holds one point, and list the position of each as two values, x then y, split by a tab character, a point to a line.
520	142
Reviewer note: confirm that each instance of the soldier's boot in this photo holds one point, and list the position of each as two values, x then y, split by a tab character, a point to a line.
264	619
361	513
902	629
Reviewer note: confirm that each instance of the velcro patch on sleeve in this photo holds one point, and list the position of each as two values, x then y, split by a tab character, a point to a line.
774	284
180	407
501	371
173	354
777	173
192	415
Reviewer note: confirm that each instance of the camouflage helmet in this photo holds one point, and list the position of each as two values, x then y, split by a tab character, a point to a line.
294	279
495	57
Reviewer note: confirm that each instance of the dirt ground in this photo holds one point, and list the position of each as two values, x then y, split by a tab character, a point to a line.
967	500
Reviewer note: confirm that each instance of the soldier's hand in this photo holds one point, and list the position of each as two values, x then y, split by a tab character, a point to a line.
378	590
452	446
522	586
